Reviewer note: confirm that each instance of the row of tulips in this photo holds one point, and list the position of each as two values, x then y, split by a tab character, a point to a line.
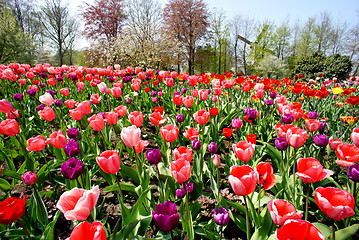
167	141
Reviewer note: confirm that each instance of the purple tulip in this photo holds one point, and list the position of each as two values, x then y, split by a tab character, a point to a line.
72	168
322	125
154	93
320	140
180	118
60	79
184	90
313	115
72	148
212	147
221	216
73	133
353	172
128	100
42	75
166	216
18	97
40	107
268	102
189	187
287	118
246	110
273	95
252	114
58	102
111	79
281	144
180	192
154	156
196	145
42	85
177	93
31	92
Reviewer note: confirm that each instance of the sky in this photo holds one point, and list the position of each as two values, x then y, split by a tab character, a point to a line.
276	11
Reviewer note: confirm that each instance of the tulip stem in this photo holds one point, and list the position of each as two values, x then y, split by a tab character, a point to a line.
172	235
29	162
218	184
160	182
247	217
220	235
119	188
294	178
25	229
78	182
306	203
104	140
333	230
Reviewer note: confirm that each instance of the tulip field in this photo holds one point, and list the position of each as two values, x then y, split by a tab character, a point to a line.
130	153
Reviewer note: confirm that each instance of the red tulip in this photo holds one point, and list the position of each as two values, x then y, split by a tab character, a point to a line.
70	103
13	114
180	170
191	134
65	91
213	112
184	153
76	114
111	118
298	230
201	117
9	127
335	143
282	129
136	118
348	155
116	92
243	150
227	132
109	161
178	99
157	119
296	137
121	110
313	125
188	101
84	107
86	230
36	144
353	100
281	211
310	170
355	136
57	139
142	144
12	209
96	122
95	98
194	92
243	180
169	133
5	106
335	203
266	175
47	114
203	94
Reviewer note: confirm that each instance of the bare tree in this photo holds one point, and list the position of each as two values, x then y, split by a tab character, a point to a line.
104	19
281	39
188	21
220	32
59	27
323	31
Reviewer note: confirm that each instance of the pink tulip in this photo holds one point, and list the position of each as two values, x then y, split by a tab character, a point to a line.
136	118
296	137
310	170
77	204
47	99
65	91
184	153
111	118
70	103
142	144
109	161
95	98
57	139
131	136
84	107
313	125
355	136
96	122
169	133
188	101
243	180
335	143
116	92
76	114
47	114
36	144
121	110
243	150
9	127
180	170
5	106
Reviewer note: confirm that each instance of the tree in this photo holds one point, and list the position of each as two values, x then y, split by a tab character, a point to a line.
322	32
188	21
15	45
104	19
281	37
59	27
310	65
270	66
337	66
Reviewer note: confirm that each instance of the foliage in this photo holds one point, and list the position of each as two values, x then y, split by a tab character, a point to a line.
271	67
337	66
310	65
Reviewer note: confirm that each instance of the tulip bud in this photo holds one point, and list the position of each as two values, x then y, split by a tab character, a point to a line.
221	216
72	133
58	102
353	172
153	156
273	95
281	144
189	187
287	118
216	160
18	97
72	168
180	118
29	178
128	100
320	140
212	147
180	192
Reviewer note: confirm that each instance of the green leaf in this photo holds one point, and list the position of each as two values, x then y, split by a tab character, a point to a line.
346	233
12	174
126	231
4	185
324	229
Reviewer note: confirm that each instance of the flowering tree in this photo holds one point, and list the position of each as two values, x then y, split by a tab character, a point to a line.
188	21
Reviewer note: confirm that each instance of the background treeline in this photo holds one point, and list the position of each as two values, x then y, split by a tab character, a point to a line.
184	35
